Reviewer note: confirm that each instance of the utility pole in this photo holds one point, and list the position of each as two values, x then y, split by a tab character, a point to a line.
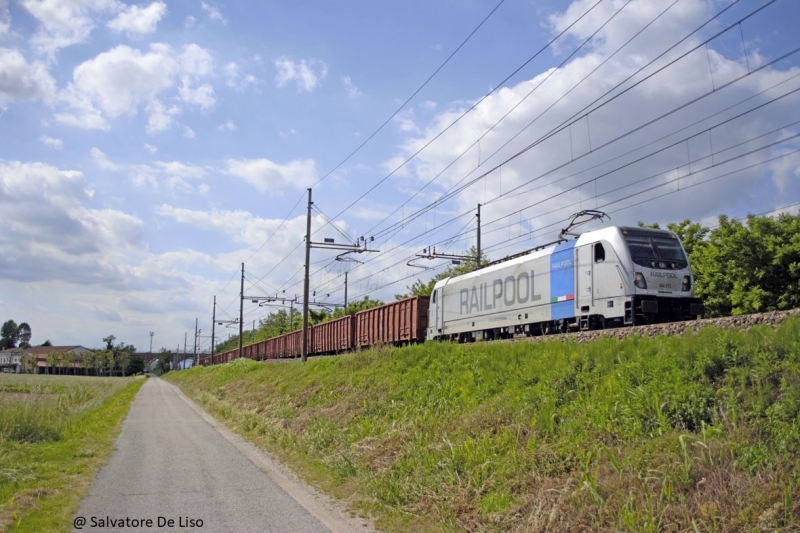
345	293
213	324
195	340
253	339
304	351
454	257
241	312
478	258
151	342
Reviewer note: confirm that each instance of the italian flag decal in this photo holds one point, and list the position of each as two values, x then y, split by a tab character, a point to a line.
562	298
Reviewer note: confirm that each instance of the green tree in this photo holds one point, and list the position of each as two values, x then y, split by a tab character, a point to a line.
9	335
164	362
109	341
135	365
24	333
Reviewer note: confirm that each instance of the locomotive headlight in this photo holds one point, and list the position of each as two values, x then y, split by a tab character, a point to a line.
639	281
686	283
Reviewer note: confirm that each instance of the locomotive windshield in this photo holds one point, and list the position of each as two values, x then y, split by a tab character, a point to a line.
656	251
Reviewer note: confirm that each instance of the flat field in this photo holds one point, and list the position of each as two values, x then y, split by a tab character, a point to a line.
55	432
696	433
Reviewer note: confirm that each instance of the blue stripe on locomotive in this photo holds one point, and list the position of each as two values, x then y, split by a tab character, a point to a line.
562	281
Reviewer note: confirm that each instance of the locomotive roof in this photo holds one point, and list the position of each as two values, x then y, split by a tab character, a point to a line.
609	233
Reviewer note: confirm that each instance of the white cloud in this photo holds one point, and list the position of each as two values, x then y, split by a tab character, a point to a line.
235	80
123	79
228	125
245	228
51	142
475	144
160	118
137	20
62	23
189	22
213	13
150	148
270	177
20	80
286	134
306	73
405	121
350	87
5	18
102	161
50	232
188	132
202	96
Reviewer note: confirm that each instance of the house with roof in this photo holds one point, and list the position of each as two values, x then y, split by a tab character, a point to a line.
46	360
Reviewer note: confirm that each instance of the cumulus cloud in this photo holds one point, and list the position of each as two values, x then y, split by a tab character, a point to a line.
51	142
245	228
270	177
136	20
5	18
150	148
213	13
21	81
63	24
51	234
121	80
307	74
236	80
583	152
228	125
102	161
350	87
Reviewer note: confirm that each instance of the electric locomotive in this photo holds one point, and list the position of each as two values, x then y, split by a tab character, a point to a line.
615	276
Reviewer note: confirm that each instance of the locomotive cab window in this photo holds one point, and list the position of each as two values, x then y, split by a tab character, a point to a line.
599	253
656	251
434	296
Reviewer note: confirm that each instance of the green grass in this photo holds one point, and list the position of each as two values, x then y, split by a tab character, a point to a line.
55	432
693	433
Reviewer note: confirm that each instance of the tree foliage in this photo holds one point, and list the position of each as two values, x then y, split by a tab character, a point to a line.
745	266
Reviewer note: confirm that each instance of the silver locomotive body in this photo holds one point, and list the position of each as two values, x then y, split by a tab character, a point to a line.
614	276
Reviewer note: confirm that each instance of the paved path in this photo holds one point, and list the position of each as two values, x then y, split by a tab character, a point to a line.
174	461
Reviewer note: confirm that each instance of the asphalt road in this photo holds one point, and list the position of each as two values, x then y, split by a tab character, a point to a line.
175	462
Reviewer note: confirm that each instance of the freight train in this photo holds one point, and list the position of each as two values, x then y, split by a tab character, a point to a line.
611	277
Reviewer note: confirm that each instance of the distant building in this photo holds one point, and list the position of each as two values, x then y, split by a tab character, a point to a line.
10	361
45	360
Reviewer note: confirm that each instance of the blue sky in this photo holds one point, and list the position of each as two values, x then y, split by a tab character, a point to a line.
146	150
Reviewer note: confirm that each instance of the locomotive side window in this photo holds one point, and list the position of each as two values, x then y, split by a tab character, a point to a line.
434	296
599	253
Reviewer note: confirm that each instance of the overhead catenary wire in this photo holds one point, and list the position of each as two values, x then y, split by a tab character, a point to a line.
583	113
764	6
682	129
440	200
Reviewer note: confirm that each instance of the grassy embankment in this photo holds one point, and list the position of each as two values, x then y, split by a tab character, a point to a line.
55	432
695	433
